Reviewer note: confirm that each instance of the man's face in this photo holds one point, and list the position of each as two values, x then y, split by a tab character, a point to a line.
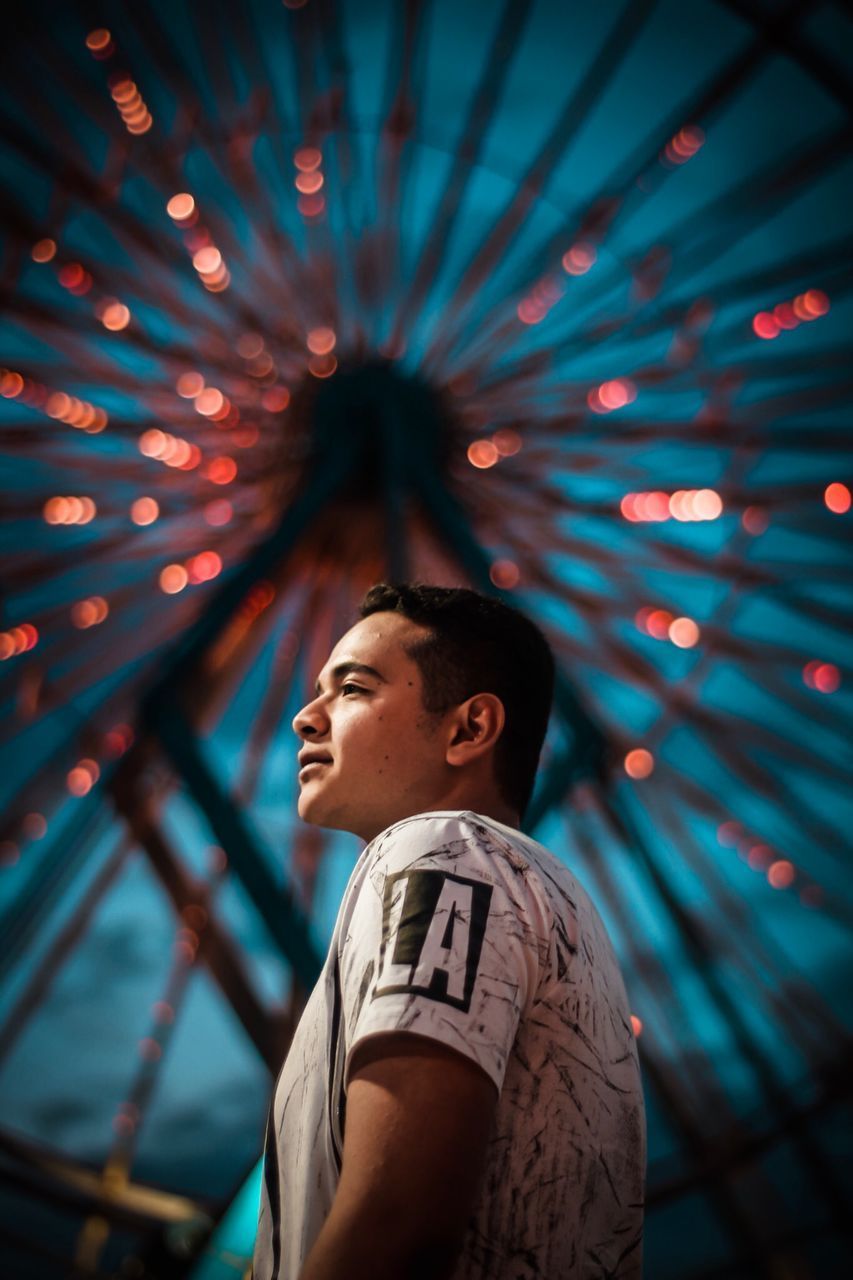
379	756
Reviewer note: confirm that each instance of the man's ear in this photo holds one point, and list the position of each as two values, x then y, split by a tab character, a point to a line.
475	728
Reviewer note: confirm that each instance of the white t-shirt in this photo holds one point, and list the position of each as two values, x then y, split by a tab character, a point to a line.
459	928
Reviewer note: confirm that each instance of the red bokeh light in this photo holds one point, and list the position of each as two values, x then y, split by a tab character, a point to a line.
482	454
780	874
307	159
221	470
755	520
639	763
765	325
218	512
837	498
505	574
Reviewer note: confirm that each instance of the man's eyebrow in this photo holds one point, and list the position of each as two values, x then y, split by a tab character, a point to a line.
350	668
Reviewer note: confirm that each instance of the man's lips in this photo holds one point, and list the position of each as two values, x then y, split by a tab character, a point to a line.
310	758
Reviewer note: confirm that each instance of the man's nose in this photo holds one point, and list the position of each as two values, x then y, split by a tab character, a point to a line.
310	721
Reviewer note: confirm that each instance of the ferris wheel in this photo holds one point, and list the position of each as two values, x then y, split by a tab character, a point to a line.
550	301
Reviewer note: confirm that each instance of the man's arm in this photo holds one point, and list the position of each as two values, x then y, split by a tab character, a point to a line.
418	1120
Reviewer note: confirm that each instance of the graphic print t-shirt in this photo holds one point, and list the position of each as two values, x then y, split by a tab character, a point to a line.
459	928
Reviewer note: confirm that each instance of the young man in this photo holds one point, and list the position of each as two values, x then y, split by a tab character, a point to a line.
462	1096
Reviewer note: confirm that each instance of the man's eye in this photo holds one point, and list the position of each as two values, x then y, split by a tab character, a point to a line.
351	688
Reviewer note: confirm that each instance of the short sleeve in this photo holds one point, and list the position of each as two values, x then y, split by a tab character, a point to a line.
444	941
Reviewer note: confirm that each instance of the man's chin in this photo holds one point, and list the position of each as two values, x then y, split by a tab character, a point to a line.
312	810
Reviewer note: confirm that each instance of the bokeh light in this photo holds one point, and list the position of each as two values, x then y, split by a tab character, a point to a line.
639	763
173	579
837	498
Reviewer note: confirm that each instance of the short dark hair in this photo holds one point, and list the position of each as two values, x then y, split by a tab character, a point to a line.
478	644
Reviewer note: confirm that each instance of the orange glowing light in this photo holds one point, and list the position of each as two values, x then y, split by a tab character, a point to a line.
808	672
261	365
616	393
192	461
765	325
11	384
755	520
307	159
639	763
71	276
308	183
221	470
275	399
653	506
152	442
781	874
218	282
815	303
837	498
17	641
98	40
529	311
82	777
579	259
43	250
144	511
636	1024
118	740
89	613
728	834
73	511
173	579
482	454
827	677
116	316
209	401
204	566
207	260
707	505
507	442
181	207
684	145
218	512
246	437
658	623
142	126
54	510
189	385
785	316
250	345
122	89
89	511
321	341
505	574
684	633
79	782
322	366
311	206
34	826
759	857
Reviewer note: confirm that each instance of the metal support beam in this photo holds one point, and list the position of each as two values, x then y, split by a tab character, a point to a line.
217	948
285	921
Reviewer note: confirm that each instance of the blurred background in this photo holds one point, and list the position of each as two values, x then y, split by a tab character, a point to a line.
552	300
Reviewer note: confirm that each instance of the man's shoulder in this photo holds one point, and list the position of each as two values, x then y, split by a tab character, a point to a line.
461	838
438	831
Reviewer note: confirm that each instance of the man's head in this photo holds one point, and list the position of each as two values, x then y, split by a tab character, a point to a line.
451	713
